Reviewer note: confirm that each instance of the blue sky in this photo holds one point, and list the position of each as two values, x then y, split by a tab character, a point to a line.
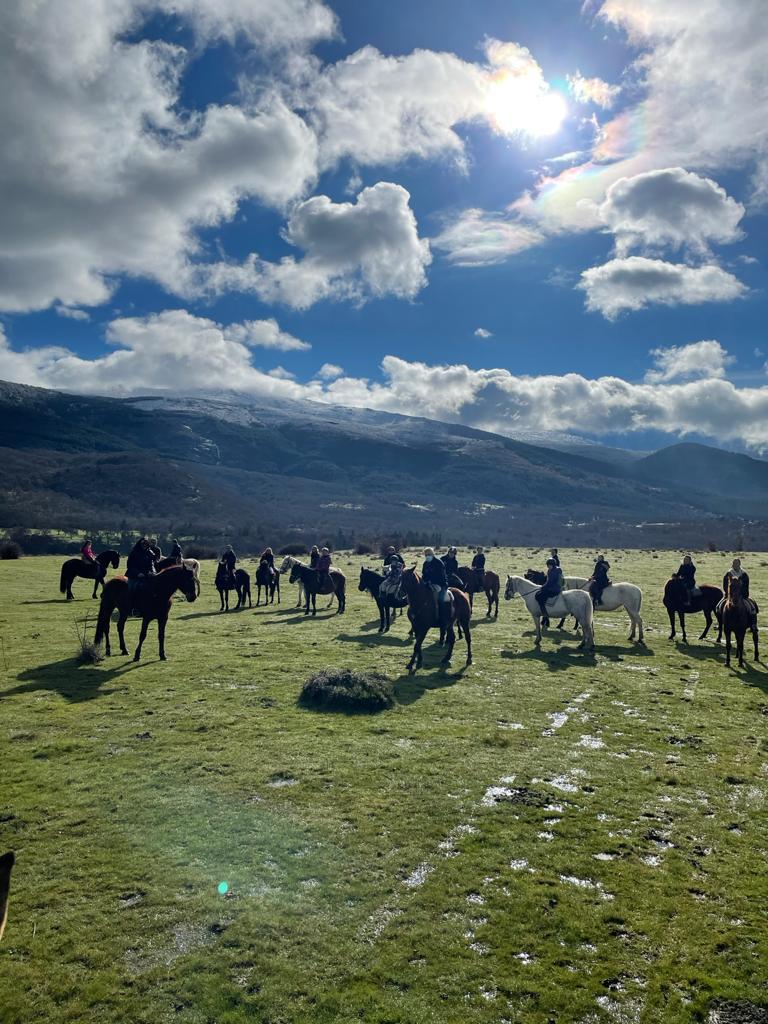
329	200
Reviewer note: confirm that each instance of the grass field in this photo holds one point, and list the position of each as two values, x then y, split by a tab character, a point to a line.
542	837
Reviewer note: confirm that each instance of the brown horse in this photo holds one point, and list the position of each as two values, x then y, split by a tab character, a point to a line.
335	583
96	571
705	601
738	614
6	863
268	578
421	612
154	602
490	587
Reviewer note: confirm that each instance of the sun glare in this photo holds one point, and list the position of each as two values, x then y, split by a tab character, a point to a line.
524	103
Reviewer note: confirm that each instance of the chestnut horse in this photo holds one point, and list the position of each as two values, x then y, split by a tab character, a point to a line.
705	601
421	612
490	587
154	602
738	614
96	571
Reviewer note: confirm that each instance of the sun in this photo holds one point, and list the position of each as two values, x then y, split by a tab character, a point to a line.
523	102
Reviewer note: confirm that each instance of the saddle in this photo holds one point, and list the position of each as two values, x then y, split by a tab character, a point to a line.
390	585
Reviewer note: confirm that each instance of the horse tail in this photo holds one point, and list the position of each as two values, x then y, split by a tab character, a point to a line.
106	607
63	578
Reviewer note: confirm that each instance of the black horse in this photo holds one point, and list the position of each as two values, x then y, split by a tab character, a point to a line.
371	581
241	584
95	571
336	583
678	601
269	579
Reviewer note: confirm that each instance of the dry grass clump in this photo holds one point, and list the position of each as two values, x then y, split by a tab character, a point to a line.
345	690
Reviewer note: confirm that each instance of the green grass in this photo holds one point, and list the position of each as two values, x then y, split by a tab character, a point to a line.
615	873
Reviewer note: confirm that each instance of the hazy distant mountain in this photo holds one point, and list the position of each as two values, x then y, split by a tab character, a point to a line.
712	471
221	463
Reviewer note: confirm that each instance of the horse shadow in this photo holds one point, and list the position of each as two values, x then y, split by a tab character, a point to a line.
617	653
409	688
559	660
376	639
74	681
58	600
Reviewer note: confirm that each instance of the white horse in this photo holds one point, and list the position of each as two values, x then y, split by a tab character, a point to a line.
617	595
193	564
288	563
568	602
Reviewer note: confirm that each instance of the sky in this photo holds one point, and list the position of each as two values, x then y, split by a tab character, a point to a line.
521	217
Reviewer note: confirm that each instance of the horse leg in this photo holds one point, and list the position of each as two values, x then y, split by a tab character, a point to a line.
641	630
753	629
451	643
70	595
383	617
561	623
727	645
250	602
161	635
468	638
314	602
682	626
416	659
708	617
142	637
740	646
258	594
490	604
537	624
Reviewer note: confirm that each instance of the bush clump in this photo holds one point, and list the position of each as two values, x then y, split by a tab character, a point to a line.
10	550
345	690
294	549
363	549
201	553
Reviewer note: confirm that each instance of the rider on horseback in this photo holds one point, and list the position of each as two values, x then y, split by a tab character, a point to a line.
599	580
555	556
314	556
553	586
478	567
176	553
86	551
687	576
736	573
393	557
229	559
433	576
140	566
323	568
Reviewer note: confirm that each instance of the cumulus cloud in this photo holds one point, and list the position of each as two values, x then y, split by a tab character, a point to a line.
670	207
592	90
686	362
703	82
102	173
72	313
183	352
356	251
329	371
480	238
265	334
636	282
481	332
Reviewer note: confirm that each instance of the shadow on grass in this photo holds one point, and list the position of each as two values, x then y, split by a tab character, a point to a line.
410	688
558	660
375	639
59	600
70	678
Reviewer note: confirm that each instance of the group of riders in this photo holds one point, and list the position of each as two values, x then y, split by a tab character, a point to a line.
437	573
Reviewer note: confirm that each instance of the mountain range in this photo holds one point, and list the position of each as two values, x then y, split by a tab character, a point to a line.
221	464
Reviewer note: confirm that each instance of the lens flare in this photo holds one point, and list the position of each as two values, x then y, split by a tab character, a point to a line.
223	888
524	103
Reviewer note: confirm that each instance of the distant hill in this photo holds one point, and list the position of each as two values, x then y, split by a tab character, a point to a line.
224	464
707	471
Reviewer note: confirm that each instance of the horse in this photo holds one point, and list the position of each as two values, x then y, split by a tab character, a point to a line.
96	571
421	612
241	584
490	587
309	578
568	602
617	595
738	614
269	579
288	563
190	563
153	603
6	863
705	601
371	581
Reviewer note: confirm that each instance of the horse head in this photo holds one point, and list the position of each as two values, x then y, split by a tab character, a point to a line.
295	572
534	576
287	563
510	590
362	585
734	590
115	559
190	584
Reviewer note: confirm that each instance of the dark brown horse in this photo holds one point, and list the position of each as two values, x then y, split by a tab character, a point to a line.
421	612
737	615
154	602
240	583
269	579
705	601
336	583
96	571
490	587
6	863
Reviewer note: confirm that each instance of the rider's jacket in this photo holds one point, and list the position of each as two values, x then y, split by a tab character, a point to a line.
687	573
554	581
176	551
324	563
478	562
229	558
433	572
394	557
742	577
451	564
141	562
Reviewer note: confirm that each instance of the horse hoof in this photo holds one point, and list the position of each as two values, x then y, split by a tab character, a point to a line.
163	658
135	657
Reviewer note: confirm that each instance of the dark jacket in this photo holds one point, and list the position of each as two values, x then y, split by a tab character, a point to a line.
478	562
157	552
314	558
554	581
743	579
556	559
394	557
176	551
433	572
451	564
229	558
324	563
269	559
687	573
141	562
600	575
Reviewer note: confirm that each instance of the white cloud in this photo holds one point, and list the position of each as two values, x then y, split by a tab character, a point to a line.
478	238
329	371
636	282
701	76
670	207
265	334
592	90
686	362
280	373
72	313
356	251
181	352
102	173
481	332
